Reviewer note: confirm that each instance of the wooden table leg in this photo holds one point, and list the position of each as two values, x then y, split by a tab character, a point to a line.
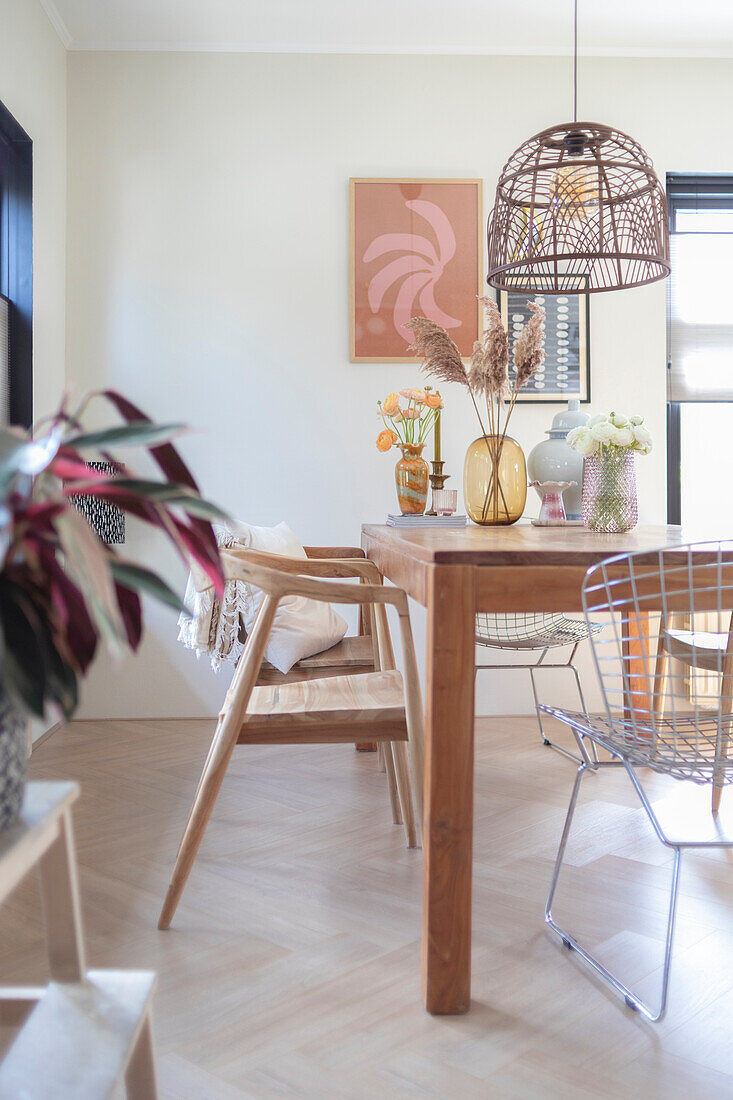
639	655
448	828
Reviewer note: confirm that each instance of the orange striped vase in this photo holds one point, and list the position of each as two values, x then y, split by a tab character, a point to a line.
411	479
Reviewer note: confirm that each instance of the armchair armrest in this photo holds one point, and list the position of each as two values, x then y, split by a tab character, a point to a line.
313	567
278	582
334	551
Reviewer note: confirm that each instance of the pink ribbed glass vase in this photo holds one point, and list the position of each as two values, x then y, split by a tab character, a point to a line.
609	491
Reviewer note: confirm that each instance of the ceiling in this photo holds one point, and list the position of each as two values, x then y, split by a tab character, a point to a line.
702	28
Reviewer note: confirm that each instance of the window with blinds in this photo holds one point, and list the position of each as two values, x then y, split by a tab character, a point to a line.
701	288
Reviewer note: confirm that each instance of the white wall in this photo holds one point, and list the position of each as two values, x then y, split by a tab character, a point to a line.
33	88
207	273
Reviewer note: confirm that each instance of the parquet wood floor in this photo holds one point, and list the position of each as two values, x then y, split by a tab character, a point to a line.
292	968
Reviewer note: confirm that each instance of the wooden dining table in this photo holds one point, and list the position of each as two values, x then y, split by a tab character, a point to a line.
455	573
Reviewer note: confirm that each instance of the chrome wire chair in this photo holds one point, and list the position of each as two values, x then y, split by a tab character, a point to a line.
652	721
537	632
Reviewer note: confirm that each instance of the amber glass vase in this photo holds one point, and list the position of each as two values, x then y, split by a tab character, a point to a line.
495	480
411	479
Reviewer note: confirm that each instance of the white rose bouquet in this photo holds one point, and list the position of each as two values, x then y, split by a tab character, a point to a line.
609	485
613	430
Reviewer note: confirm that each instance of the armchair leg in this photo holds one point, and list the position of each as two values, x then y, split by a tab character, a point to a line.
404	787
387	759
206	795
717	795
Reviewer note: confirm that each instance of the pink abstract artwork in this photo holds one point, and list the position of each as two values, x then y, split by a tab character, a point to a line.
414	251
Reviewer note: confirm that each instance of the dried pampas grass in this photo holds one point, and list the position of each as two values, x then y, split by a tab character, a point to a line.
529	350
441	357
488	370
488	374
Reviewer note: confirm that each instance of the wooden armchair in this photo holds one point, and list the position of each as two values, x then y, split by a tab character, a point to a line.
353	655
698	650
379	705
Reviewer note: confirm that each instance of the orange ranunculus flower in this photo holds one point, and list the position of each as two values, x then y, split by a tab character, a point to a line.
385	440
414	395
391	404
434	400
411	414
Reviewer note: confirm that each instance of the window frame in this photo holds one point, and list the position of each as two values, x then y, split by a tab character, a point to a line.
686	191
16	260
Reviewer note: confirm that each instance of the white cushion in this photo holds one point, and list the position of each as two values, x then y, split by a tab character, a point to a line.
302	627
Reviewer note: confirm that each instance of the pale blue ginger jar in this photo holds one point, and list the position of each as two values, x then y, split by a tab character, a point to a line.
554	460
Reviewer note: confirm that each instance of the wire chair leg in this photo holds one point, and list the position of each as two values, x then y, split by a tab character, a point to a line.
582	756
631	999
583	707
538	712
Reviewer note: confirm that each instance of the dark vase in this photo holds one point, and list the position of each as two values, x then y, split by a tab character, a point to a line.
13	758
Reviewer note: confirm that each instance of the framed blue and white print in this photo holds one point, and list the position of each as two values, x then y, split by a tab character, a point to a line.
565	372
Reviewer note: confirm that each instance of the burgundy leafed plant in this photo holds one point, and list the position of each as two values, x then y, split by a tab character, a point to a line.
61	588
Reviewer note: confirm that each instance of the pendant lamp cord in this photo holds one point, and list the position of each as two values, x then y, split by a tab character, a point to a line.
575	61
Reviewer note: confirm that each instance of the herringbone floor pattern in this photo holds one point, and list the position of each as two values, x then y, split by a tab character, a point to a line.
292	968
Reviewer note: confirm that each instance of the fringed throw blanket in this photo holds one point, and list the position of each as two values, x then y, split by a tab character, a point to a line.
214	628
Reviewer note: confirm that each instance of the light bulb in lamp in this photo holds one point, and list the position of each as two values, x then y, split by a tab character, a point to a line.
574	191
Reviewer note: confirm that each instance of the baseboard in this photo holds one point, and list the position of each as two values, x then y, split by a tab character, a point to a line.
46	736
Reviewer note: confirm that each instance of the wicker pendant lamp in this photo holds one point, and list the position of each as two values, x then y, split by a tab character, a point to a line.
578	209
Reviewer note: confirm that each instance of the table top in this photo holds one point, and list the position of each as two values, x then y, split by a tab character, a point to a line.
522	544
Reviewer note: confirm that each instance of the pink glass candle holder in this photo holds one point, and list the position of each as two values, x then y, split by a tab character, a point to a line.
445	501
550	492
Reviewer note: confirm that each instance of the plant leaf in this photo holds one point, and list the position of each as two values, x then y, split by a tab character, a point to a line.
132	614
24	669
20	456
71	610
89	562
139	434
73	469
167	457
144	580
175	470
118	490
61	683
199	551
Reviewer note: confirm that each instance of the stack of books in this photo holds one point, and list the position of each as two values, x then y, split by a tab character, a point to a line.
426	521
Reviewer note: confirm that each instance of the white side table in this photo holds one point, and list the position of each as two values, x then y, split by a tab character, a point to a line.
87	1030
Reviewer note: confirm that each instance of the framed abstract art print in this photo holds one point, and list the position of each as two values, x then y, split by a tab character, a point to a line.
416	249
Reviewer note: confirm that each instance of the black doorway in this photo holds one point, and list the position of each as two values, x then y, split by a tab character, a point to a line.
16	261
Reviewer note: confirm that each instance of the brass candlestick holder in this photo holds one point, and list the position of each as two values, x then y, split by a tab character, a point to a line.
437	481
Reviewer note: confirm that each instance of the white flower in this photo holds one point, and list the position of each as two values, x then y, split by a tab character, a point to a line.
643	438
623	437
603	432
581	439
603	419
619	421
635	420
644	448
